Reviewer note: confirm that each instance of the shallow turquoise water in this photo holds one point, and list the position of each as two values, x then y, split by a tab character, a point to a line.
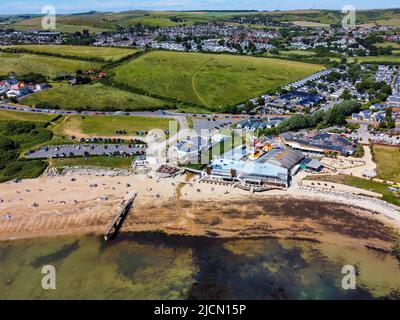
151	266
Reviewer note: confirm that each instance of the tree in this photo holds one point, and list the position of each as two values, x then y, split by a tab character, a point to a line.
249	106
261	100
274	51
346	95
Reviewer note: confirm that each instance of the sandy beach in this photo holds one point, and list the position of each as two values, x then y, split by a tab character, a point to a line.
59	205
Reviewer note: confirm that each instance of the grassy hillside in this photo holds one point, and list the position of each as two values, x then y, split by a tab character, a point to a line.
105	53
209	80
6	115
93	97
49	66
68	24
97	22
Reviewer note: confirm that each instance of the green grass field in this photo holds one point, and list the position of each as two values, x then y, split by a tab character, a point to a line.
395	22
207	79
297	52
394	45
25	116
94	161
105	126
105	53
388	162
304	23
93	97
377	59
49	66
361	183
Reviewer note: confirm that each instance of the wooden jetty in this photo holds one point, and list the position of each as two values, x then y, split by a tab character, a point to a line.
118	220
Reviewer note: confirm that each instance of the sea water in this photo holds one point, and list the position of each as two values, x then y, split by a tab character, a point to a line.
155	266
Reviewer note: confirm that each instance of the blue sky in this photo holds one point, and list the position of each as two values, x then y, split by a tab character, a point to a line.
69	6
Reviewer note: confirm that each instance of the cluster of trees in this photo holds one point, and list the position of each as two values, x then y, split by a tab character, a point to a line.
389	123
16	128
33	77
334	116
8	151
13	136
378	91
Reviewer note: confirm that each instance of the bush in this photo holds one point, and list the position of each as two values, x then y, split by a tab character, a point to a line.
6	144
15	128
334	116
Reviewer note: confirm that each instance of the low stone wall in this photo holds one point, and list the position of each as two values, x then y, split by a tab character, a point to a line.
337	187
349	196
95	171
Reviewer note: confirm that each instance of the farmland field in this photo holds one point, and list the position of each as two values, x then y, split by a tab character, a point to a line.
108	54
304	23
377	59
105	126
49	66
208	79
61	26
394	45
93	97
297	52
388	162
395	22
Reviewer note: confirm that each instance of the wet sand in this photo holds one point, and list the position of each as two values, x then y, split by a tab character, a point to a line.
50	206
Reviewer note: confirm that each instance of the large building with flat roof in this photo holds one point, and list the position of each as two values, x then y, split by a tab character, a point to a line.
265	166
318	143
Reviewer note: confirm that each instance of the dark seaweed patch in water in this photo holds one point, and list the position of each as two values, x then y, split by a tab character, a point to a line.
64	252
226	275
128	266
275	272
5	251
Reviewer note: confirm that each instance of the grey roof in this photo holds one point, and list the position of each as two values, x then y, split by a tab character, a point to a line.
314	164
329	141
283	157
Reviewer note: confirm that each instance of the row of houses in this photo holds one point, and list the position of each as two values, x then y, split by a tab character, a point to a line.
313	77
394	99
375	113
259	124
12	88
295	99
